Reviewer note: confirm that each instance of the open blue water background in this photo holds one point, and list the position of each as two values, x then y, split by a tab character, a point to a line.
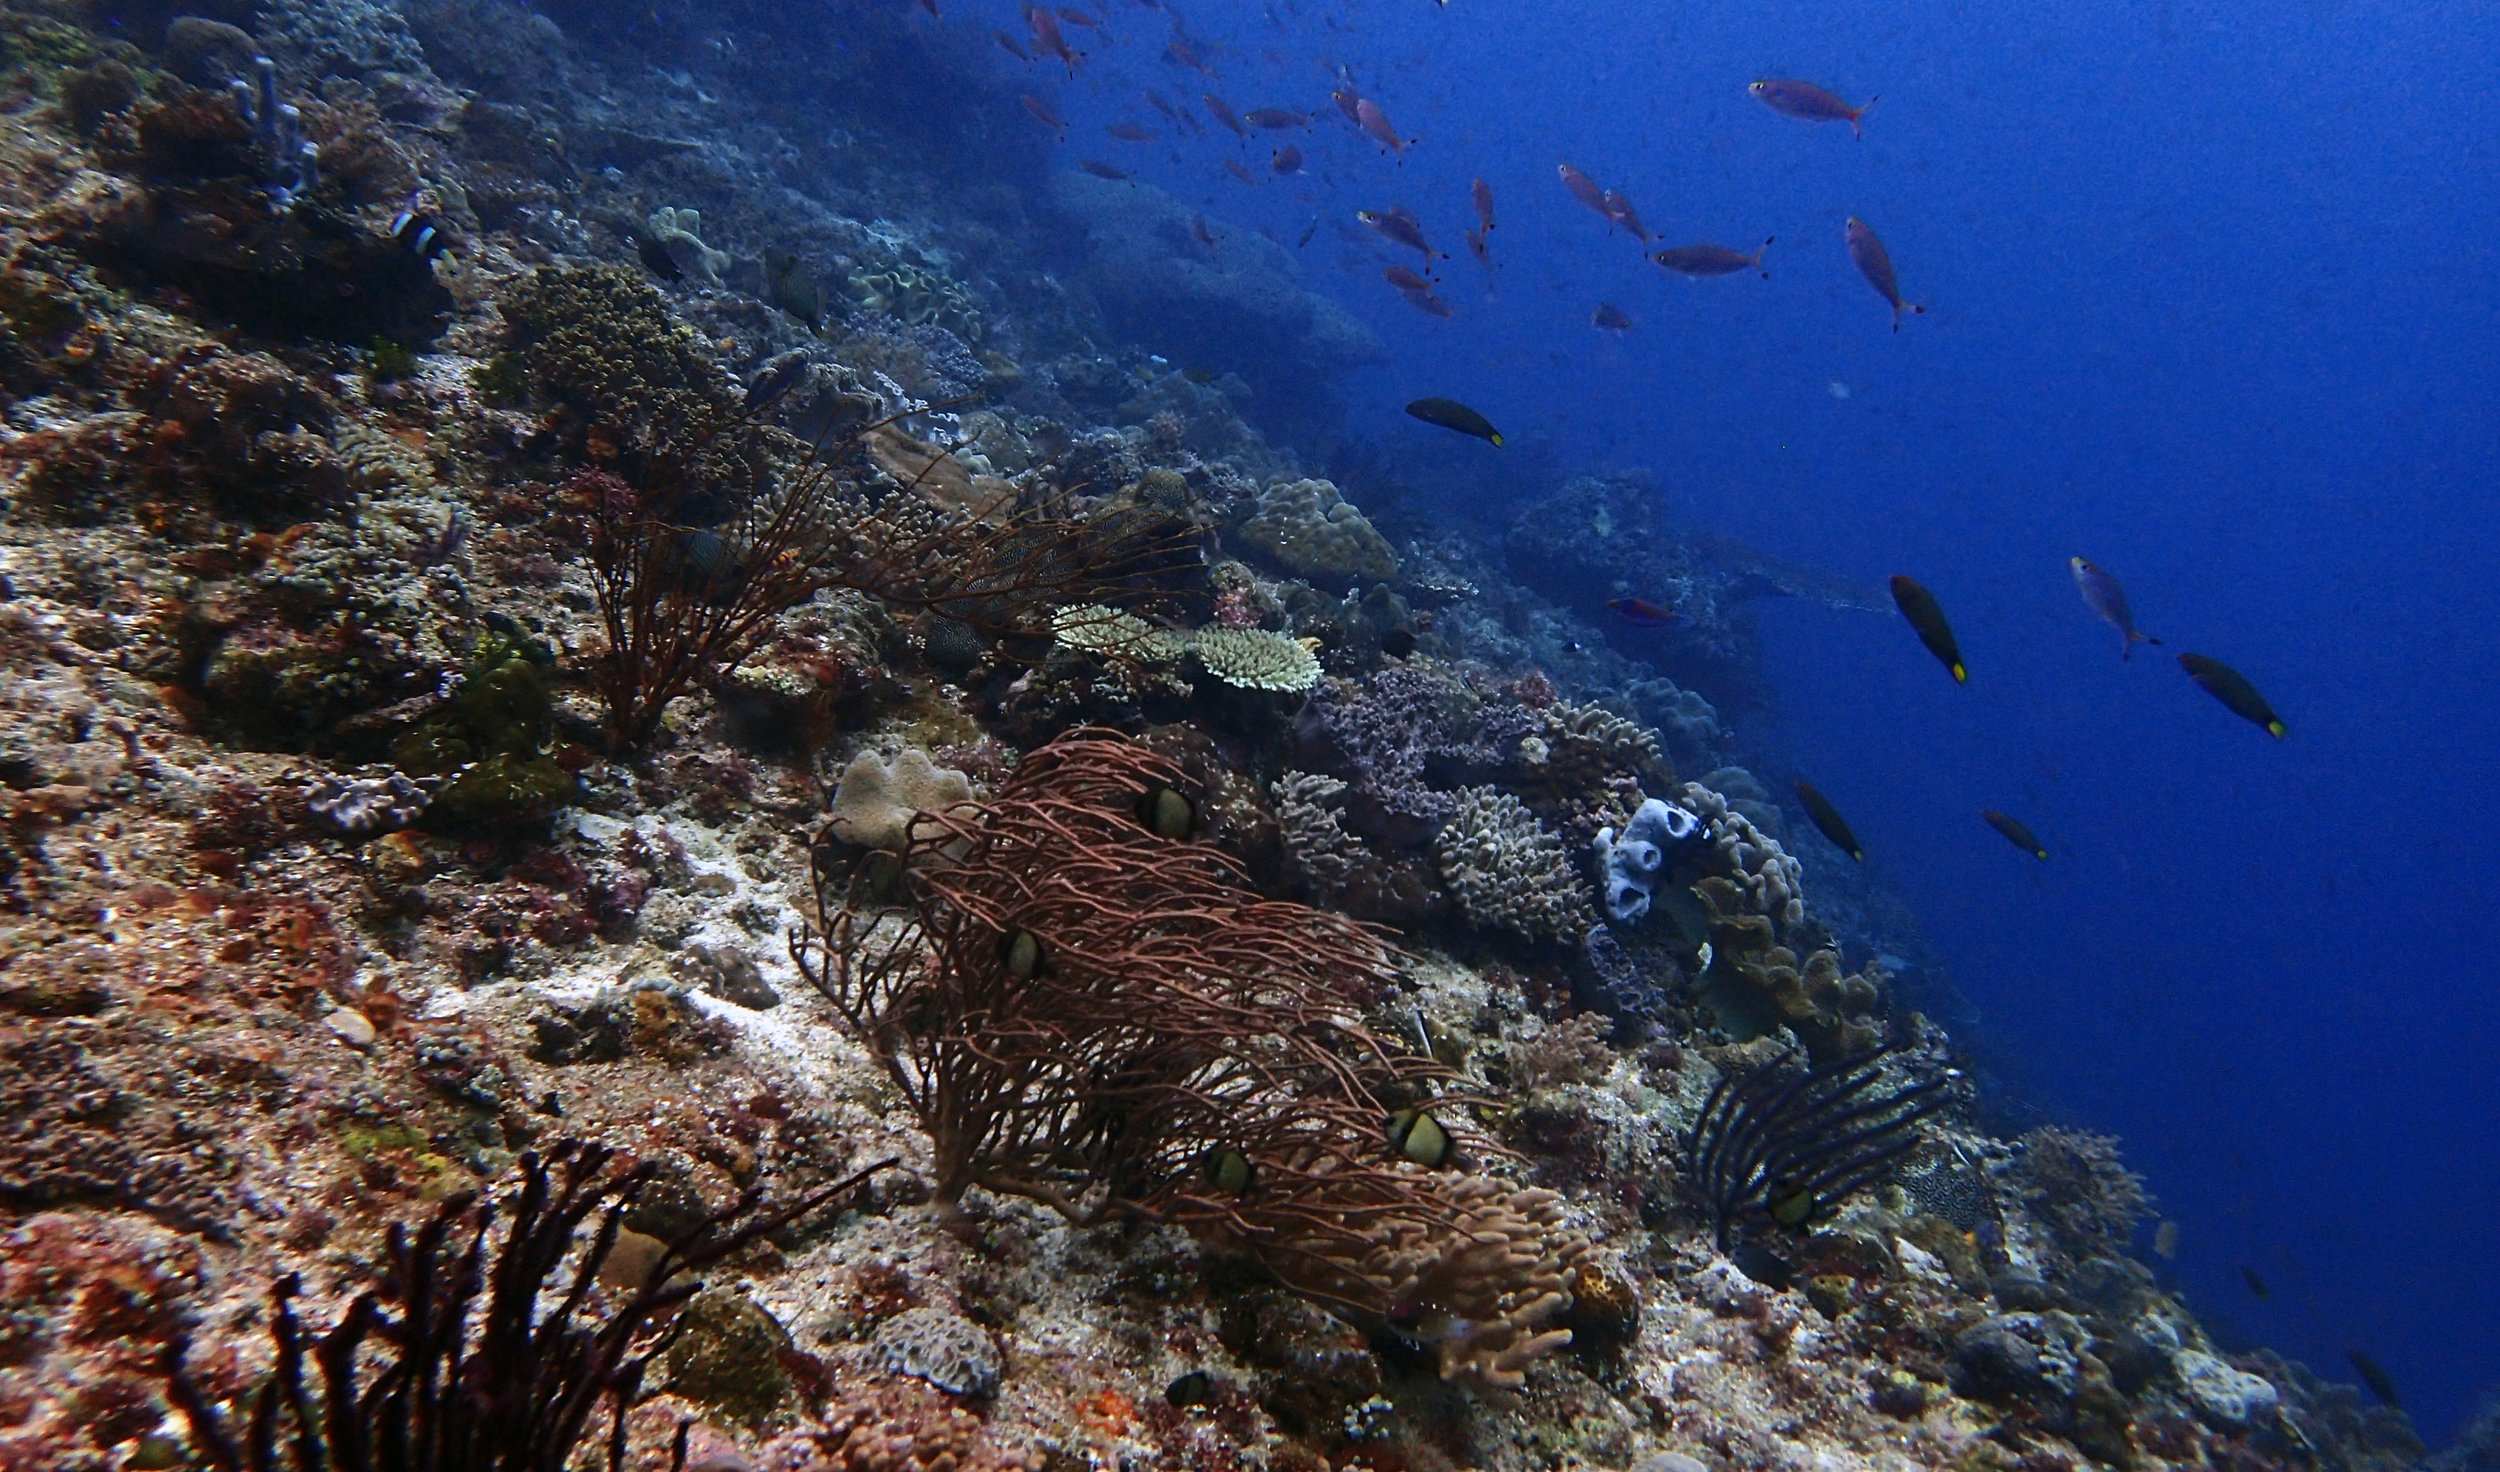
2212	298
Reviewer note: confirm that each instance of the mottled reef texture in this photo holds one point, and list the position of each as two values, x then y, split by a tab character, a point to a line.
444	698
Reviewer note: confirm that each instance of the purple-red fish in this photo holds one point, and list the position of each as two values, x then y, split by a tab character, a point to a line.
1233	167
1350	103
1641	613
1079	18
1584	189
1398	227
1711	260
1162	104
1217	110
1875	264
1013	47
1181	53
1274	118
1806	100
1609	318
1369	117
1481	195
1619	211
2103	596
1288	160
1047	41
1405	280
1041	110
1426	302
1130	133
1476	248
1101	170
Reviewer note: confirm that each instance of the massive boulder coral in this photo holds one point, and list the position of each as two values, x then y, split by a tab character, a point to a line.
1315	533
875	799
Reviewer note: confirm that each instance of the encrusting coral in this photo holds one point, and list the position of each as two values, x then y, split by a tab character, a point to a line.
875	799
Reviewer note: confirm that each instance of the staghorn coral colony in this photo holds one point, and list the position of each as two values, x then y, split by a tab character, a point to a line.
606	701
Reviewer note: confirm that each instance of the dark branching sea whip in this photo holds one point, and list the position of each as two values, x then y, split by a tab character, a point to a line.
1787	1145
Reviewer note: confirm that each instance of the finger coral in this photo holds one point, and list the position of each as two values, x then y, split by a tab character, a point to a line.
1509	871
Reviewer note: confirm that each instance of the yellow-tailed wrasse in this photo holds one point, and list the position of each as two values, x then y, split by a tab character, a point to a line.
2230	687
1451	414
2103	596
1875	264
2015	833
1920	608
1828	821
2375	1377
1707	259
1805	100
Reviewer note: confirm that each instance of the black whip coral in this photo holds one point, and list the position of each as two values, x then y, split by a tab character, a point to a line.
410	1384
1788	1145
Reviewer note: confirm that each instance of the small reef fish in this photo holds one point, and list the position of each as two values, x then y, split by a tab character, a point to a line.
1369	117
1198	227
1920	607
2381	1385
1828	822
1233	167
2166	1240
1223	113
1101	170
2255	1284
1451	414
1076	17
789	285
1427	303
1307	232
1287	160
1350	103
1619	211
2230	687
1640	613
1480	194
1609	318
1476	247
1276	118
1162	104
1405	280
772	382
1399	227
2015	833
1806	100
1181	53
1707	259
1012	46
1047	40
2103	596
1875	264
1041	110
1584	189
1130	133
423	234
1193	1389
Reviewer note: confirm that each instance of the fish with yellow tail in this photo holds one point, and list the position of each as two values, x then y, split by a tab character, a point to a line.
2015	833
1828	822
2231	687
2103	596
1875	264
1451	414
1926	617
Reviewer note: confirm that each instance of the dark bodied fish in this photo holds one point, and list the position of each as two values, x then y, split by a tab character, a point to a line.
1428	304
2375	1377
2255	1284
2015	833
1451	414
1405	280
1286	160
1476	247
1920	608
1609	318
1584	189
1307	232
1828	821
1480	194
1707	259
1643	614
1369	117
1875	264
1806	100
789	285
1130	133
1233	167
1218	110
1041	111
2230	687
1619	211
1047	41
1276	118
1397	643
1012	46
772	382
2103	596
422	233
1101	170
1193	1389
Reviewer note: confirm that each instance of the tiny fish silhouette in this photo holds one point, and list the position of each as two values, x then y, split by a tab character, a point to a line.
2380	1383
1643	614
1369	117
1708	259
1584	189
1926	616
2015	833
1233	167
2230	687
1806	100
1287	160
1217	110
2103	596
1481	195
1013	47
1828	822
1273	118
1609	318
1427	303
1619	211
1041	110
1101	170
1130	133
1451	414
1875	264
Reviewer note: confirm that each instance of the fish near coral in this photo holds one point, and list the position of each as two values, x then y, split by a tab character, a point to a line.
1875	264
1926	616
789	285
1805	100
2381	1384
1419	1137
1451	414
422	233
2015	833
1640	613
2103	596
2230	687
1708	259
772	382
1828	822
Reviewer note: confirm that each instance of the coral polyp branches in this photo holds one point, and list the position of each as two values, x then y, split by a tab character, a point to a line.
1787	1146
450	1365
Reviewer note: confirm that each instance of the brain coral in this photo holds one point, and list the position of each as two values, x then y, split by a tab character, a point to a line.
1306	526
874	801
1509	871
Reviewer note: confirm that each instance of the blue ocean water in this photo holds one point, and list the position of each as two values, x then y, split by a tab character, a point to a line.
2211	301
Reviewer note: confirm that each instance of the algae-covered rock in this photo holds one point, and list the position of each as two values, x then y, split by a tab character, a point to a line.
489	742
2232	1400
601	341
727	1356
